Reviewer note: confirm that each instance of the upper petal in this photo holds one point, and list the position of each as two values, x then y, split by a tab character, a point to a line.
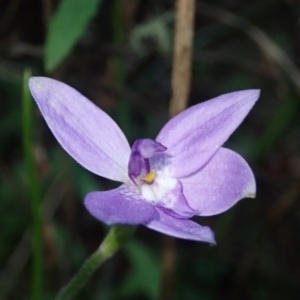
181	228
223	181
194	135
87	133
119	206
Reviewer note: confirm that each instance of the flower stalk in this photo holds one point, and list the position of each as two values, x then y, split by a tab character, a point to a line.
115	238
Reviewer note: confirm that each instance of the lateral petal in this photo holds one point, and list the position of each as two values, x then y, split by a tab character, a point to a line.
119	206
181	228
86	132
223	181
195	134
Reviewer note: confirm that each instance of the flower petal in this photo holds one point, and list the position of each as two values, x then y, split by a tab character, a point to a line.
166	194
181	228
194	135
119	206
223	181
87	133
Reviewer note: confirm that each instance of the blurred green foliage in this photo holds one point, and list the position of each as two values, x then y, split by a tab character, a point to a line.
66	26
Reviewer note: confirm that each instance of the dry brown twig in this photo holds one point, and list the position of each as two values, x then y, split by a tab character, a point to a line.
183	45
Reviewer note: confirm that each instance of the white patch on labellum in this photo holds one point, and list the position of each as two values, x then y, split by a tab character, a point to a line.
162	190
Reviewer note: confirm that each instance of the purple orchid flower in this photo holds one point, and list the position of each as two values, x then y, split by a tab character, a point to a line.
184	172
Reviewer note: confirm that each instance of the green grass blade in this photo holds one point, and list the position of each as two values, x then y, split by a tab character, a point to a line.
37	243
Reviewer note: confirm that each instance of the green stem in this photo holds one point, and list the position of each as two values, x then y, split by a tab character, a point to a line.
115	238
37	241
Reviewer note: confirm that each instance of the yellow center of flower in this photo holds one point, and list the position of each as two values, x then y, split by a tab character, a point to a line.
149	177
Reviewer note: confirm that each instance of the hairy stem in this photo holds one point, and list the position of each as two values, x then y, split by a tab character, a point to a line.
115	238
